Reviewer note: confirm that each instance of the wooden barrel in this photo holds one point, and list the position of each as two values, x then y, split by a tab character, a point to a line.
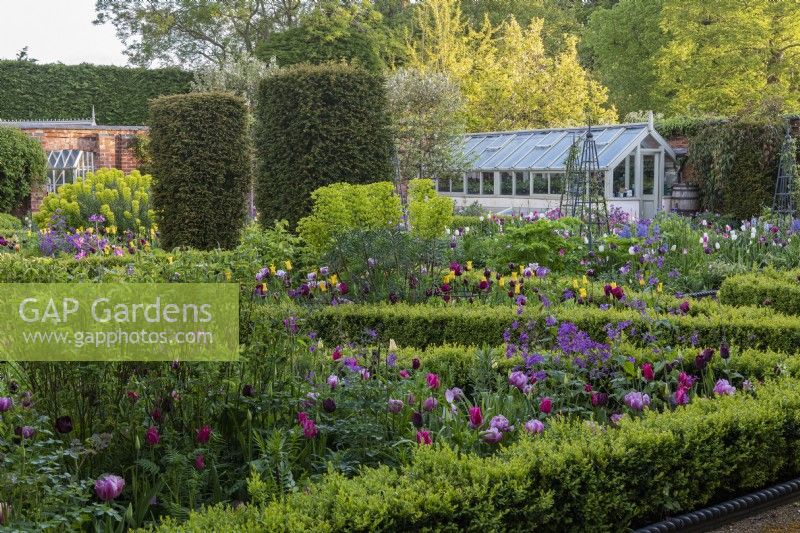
685	198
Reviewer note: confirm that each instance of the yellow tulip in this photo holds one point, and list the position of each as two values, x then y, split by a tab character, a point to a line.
641	282
228	275
334	279
502	281
169	259
287	264
272	269
323	286
583	292
469	265
585	280
517	288
660	287
574	283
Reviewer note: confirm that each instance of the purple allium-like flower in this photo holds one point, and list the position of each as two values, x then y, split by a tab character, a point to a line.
395	406
493	435
637	400
430	403
518	379
109	487
534	426
723	387
6	403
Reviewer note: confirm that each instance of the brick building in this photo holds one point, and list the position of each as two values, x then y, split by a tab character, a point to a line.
82	143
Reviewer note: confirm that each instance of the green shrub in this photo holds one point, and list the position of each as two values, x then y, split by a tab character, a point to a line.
199	145
343	207
119	94
318	125
570	478
777	290
9	222
736	162
533	242
123	200
22	164
428	213
423	325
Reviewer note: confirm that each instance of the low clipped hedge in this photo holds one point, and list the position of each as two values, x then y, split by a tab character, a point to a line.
777	290
571	478
423	325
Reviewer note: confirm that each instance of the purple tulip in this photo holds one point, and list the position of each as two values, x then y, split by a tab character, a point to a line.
430	403
475	417
723	387
151	436
333	381
416	419
433	381
329	405
6	403
492	435
109	487
518	379
546	405
200	462
534	426
395	406
203	434
637	400
451	395
501	423
424	437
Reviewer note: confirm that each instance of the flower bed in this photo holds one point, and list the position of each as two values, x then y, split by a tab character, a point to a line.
573	477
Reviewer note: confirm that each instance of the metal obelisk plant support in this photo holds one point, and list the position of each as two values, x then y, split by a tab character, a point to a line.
584	196
784	203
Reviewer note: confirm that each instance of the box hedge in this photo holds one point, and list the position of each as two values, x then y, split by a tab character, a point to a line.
201	168
573	477
318	125
776	290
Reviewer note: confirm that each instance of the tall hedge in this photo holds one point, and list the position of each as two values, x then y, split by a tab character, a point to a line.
318	125
22	163
200	151
55	91
736	163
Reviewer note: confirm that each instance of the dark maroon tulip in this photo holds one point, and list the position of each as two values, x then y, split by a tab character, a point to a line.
329	405
416	419
64	424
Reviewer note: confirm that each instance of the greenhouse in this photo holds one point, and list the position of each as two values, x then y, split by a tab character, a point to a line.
65	166
524	171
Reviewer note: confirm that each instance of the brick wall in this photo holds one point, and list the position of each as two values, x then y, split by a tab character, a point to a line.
112	147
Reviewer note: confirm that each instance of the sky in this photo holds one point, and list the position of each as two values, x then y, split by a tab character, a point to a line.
57	31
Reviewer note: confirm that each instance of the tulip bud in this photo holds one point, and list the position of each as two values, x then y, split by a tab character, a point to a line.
137	443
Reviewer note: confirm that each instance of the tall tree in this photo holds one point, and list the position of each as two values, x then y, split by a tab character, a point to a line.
427	113
194	32
334	31
729	53
508	79
623	43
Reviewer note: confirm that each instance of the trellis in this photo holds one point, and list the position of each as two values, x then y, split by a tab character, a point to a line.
784	202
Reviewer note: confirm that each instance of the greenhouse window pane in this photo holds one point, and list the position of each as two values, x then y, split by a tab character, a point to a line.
556	182
473	184
443	185
487	183
648	174
506	183
523	183
457	184
540	183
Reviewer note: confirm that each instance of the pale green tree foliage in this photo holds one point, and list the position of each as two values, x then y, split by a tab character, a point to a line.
427	112
726	54
507	78
239	75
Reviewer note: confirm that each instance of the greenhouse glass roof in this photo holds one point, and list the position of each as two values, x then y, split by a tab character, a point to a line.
548	149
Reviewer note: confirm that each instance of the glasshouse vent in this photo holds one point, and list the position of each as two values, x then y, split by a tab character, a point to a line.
523	171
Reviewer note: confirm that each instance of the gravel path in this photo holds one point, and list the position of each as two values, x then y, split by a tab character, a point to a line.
778	520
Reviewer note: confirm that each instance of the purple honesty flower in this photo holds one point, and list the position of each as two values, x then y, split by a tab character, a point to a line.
534	426
97	218
637	400
6	403
723	388
550	321
391	360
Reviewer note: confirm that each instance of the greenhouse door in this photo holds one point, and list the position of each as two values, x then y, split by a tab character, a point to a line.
651	180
